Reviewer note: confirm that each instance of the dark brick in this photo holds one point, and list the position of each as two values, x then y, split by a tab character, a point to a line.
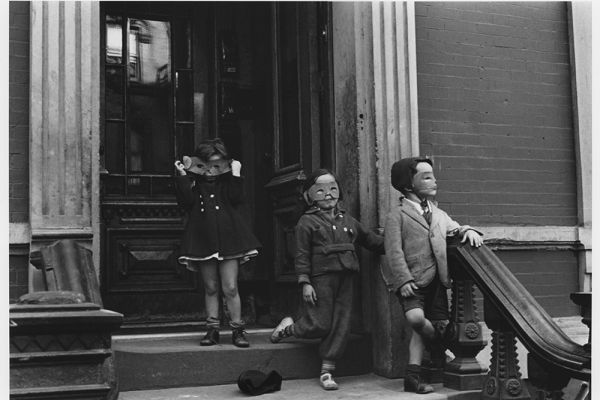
19	17
18	49
19	33
18	216
18	190
19	63
18	77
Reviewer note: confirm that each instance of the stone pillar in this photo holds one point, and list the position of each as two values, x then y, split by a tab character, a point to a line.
375	86
580	29
64	123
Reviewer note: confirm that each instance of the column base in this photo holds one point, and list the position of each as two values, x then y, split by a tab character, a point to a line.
464	381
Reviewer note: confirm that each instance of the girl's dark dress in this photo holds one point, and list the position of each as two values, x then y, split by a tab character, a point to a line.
215	227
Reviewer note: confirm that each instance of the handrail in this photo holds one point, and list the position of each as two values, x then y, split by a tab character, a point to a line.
533	326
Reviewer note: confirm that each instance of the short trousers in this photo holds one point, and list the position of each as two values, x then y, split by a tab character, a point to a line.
432	299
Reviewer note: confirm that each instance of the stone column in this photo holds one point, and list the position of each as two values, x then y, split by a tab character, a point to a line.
580	30
64	123
375	77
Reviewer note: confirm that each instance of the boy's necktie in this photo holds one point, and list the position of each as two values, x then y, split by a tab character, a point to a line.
426	211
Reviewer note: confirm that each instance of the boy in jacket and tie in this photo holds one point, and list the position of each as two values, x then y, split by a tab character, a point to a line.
417	269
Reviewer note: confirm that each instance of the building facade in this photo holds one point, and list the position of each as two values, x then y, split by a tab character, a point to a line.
105	96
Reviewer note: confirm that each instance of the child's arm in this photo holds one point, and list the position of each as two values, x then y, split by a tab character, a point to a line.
465	232
236	184
395	269
302	262
183	187
369	239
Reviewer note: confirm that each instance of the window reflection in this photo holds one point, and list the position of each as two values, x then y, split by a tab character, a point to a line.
149	107
114	45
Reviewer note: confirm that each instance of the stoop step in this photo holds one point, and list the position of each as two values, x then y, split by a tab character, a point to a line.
363	387
145	362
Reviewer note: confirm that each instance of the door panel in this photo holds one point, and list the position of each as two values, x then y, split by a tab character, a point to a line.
255	74
148	122
301	139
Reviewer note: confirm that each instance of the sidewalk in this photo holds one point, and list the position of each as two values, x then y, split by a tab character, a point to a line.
363	387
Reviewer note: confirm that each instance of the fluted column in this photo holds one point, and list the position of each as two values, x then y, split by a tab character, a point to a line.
395	90
64	121
375	86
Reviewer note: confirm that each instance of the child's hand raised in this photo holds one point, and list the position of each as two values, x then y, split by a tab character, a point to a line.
236	167
308	294
180	167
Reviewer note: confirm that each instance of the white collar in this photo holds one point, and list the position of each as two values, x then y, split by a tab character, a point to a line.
418	205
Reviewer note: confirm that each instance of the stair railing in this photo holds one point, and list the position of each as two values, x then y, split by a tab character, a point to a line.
511	312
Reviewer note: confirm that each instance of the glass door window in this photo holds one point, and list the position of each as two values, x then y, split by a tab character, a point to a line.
148	103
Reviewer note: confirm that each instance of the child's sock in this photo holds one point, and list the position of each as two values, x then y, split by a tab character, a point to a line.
327	367
326	377
213	322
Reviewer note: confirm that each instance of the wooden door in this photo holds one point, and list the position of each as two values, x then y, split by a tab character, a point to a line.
151	116
255	74
302	133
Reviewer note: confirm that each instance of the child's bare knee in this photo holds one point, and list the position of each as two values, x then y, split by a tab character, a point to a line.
211	288
416	319
230	291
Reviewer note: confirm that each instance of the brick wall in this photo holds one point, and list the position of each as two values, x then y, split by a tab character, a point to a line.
18	117
549	276
495	114
18	271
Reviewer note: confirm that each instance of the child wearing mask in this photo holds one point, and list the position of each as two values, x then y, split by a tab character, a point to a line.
416	269
217	239
326	265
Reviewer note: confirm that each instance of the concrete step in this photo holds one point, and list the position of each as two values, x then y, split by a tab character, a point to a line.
364	387
145	362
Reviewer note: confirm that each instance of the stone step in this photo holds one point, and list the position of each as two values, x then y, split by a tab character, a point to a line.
364	387
146	362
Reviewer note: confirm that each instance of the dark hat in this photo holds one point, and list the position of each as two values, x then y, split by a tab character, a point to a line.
404	170
255	382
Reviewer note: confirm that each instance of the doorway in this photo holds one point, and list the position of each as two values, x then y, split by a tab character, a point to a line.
255	74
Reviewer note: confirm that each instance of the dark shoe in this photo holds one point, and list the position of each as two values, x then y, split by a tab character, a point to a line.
211	338
413	381
238	337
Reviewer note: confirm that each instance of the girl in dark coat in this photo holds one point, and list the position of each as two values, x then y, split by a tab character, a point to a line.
217	238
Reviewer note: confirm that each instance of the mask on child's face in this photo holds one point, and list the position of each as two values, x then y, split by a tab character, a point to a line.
424	183
324	191
206	168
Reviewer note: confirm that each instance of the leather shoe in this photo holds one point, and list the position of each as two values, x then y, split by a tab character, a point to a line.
412	383
238	337
211	338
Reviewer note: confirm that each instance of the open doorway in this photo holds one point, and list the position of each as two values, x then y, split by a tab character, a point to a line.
255	74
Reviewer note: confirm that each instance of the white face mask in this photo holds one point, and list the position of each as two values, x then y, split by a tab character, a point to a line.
424	182
320	191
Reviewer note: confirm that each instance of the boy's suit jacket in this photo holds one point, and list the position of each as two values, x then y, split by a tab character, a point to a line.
413	249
